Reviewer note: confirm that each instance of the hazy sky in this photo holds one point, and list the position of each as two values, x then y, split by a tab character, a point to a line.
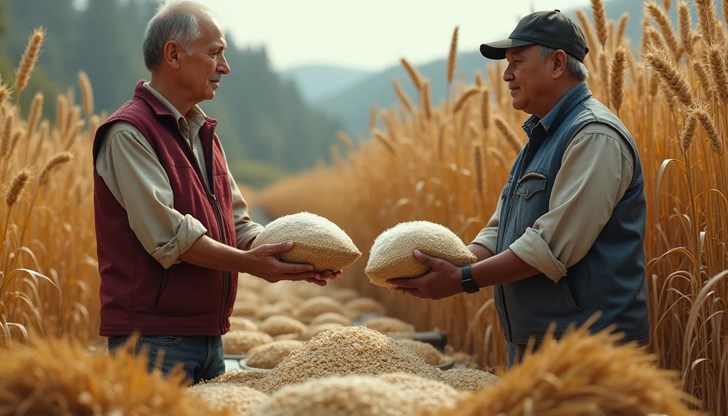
371	34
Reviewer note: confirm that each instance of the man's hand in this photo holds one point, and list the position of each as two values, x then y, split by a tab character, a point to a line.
262	262
441	281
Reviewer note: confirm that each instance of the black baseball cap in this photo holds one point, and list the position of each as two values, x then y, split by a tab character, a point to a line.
548	28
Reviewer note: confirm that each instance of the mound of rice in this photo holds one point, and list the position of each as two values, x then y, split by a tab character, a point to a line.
391	254
280	325
389	325
317	241
331	317
360	395
347	350
270	355
426	351
469	379
242	324
363	306
312	307
237	399
239	342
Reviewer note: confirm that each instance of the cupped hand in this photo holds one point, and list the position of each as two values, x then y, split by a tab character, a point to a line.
263	262
440	281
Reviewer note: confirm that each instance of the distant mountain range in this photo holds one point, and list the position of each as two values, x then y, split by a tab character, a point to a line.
349	94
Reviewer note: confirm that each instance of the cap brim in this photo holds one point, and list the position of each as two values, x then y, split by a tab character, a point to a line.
497	50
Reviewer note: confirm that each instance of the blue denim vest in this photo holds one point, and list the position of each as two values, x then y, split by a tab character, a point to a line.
611	277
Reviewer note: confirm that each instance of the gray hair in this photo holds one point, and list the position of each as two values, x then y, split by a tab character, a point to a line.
576	68
178	21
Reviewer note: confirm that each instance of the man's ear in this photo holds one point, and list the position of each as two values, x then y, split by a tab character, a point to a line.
172	51
559	60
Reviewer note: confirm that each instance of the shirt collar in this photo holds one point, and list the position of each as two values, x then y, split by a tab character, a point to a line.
196	115
534	125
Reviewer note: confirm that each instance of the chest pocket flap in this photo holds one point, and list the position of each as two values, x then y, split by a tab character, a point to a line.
531	184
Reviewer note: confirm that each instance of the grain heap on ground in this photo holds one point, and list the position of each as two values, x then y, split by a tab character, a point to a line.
239	342
391	254
280	325
270	355
427	352
317	241
237	399
315	306
469	379
330	317
364	306
390	326
344	351
359	395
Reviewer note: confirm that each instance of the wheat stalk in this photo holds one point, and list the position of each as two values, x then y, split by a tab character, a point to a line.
586	27
707	20
28	60
464	98
600	20
621	29
426	101
717	70
616	82
672	78
508	134
403	98
685	24
35	111
452	56
688	132
485	109
4	93
87	93
703	79
478	167
663	22
379	135
706	121
413	74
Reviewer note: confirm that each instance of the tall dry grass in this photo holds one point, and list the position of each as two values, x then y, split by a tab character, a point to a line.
446	162
48	269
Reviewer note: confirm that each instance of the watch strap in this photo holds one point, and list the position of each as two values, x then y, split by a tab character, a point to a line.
466	279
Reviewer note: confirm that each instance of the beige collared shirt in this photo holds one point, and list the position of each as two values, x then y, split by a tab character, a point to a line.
596	170
130	168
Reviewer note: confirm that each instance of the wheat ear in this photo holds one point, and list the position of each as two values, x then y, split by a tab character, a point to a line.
28	60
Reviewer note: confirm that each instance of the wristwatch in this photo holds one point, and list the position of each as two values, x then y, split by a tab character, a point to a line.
466	280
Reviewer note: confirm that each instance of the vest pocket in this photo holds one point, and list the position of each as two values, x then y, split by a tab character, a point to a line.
530	184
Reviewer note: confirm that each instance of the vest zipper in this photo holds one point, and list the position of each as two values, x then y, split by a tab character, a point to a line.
226	274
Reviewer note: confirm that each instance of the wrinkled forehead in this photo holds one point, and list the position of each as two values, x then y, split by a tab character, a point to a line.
210	32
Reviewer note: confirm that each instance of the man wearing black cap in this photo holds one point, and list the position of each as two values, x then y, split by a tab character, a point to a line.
566	239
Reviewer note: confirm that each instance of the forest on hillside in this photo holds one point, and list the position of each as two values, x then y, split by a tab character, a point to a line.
267	128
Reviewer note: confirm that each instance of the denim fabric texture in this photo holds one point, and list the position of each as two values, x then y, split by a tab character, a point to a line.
201	357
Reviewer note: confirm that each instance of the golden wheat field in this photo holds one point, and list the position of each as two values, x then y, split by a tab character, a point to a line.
443	162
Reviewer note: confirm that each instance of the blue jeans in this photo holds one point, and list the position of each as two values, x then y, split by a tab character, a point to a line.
201	357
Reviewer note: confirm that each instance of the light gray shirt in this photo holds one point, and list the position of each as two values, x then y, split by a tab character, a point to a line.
130	168
596	170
